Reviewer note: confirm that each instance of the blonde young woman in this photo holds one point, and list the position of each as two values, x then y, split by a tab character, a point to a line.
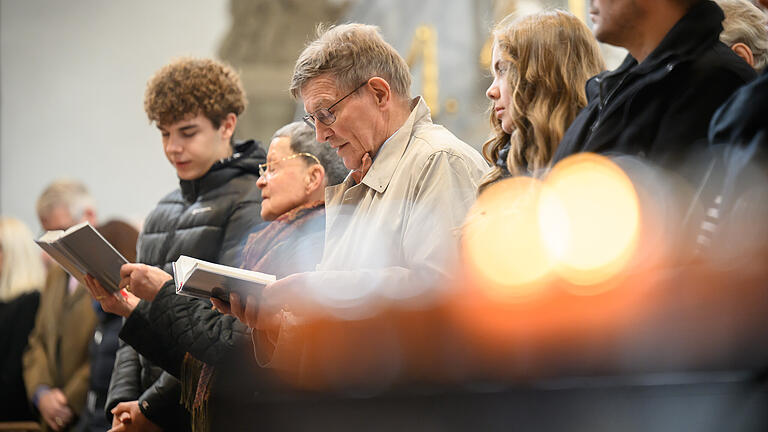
540	65
21	277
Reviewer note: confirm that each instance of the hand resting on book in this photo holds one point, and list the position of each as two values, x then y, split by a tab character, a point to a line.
288	295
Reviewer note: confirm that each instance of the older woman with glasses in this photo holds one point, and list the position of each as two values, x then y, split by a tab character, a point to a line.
196	343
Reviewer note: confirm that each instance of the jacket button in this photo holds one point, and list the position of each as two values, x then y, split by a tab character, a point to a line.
145	405
670	66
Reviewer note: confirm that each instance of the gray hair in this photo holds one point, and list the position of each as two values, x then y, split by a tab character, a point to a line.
303	141
67	193
745	23
352	54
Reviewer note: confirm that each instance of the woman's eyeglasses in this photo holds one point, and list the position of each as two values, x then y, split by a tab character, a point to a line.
268	168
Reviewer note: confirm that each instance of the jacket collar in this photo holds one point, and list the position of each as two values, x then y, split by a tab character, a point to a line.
383	168
246	157
697	29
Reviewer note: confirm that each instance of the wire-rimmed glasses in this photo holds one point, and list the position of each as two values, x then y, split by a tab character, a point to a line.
264	168
324	115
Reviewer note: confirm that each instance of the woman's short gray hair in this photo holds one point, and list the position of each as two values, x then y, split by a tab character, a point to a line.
303	141
352	54
745	23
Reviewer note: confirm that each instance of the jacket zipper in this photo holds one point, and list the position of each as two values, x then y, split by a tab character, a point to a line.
604	102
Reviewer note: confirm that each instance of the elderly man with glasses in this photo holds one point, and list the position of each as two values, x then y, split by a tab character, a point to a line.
391	225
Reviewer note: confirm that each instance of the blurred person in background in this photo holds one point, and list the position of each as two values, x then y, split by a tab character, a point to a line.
209	351
56	366
745	31
739	134
104	344
21	278
195	104
539	65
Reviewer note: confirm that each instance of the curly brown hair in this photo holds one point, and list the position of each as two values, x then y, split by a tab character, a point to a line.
193	86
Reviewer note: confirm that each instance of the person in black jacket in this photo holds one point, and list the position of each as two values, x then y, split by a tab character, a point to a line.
659	102
212	353
195	104
21	277
739	137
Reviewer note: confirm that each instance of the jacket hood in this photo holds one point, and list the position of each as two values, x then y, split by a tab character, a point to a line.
245	159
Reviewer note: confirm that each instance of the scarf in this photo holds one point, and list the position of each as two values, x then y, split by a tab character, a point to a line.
197	377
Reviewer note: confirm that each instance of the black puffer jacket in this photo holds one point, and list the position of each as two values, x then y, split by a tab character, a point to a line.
661	108
210	219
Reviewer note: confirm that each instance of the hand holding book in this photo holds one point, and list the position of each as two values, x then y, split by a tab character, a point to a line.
143	280
117	302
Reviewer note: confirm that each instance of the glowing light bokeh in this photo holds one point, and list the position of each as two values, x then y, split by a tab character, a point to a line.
502	240
589	216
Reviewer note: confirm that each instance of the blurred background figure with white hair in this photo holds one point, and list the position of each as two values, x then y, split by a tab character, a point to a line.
56	367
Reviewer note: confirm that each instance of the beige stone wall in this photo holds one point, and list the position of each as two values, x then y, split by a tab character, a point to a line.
263	43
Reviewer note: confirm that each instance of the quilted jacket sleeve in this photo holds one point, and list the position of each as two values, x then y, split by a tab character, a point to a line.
160	403
172	325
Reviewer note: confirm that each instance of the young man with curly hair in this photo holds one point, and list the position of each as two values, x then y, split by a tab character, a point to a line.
195	103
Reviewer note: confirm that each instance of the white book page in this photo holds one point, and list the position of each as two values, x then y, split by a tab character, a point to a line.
185	265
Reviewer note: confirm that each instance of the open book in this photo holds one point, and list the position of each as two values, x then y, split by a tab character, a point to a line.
82	250
198	278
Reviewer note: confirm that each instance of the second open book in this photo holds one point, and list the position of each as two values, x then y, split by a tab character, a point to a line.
203	279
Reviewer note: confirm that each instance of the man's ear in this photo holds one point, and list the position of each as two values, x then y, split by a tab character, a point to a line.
743	51
315	178
381	90
227	127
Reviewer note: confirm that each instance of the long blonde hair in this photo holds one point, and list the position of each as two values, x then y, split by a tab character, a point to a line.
22	267
551	54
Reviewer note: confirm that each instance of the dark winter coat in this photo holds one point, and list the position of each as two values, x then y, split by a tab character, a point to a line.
102	351
740	131
171	326
208	218
17	317
660	109
739	137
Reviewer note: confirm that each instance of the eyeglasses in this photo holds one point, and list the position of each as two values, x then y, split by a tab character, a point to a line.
267	168
324	115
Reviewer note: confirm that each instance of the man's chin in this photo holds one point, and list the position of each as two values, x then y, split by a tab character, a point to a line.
350	163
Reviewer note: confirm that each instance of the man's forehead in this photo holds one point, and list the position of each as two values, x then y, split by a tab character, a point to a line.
319	92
